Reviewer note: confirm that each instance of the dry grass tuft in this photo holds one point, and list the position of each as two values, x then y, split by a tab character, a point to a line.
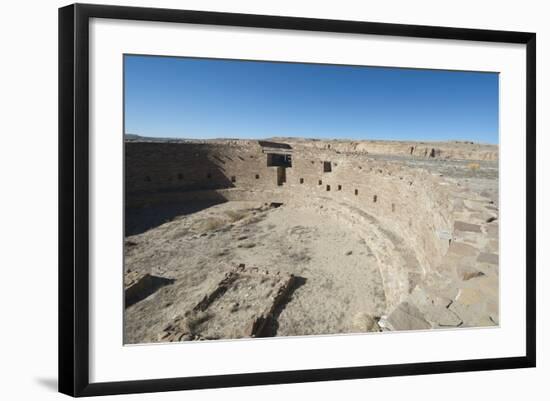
211	224
193	321
235	215
363	322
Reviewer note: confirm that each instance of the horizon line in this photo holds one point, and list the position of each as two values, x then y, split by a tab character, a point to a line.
310	138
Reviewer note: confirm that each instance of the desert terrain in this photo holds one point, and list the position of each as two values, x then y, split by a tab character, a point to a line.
229	239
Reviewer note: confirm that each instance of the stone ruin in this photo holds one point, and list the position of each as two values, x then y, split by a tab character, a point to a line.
229	303
428	210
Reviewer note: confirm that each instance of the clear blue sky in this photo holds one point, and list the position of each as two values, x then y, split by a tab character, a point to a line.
205	98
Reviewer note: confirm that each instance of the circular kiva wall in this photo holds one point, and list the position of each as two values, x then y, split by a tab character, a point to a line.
404	214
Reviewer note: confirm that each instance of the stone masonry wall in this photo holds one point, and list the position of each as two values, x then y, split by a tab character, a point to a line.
409	213
410	202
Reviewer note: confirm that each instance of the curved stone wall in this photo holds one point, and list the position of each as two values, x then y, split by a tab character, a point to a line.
407	215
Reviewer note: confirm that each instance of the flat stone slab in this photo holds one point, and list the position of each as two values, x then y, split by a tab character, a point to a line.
490	258
488	284
492	230
470	296
463	226
475	315
492	246
462	249
477	304
445	288
406	316
434	308
243	304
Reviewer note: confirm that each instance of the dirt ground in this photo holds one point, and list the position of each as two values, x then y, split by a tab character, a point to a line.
196	250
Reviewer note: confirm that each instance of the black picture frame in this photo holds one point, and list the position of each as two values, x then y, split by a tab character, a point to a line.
74	198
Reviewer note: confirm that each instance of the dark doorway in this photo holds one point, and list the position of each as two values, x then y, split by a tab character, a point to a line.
281	175
279	160
327	167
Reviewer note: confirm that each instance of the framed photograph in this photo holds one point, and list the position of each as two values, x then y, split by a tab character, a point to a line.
251	199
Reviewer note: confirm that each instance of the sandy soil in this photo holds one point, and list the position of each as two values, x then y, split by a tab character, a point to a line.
343	280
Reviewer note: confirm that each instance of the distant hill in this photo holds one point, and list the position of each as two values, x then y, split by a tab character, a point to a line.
134	137
139	138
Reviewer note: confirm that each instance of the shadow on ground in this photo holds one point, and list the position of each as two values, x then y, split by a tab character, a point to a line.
273	325
139	220
148	285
